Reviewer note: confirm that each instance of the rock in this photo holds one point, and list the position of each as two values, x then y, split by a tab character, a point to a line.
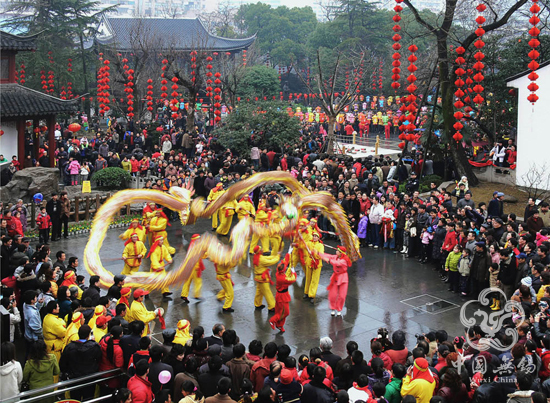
510	199
29	181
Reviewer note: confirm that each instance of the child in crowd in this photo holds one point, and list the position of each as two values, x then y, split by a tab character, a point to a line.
44	223
464	270
451	267
426	237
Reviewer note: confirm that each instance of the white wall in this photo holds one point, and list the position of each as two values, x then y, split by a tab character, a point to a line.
8	142
533	139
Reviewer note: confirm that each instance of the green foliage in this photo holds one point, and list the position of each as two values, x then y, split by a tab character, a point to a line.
426	180
268	121
112	178
259	81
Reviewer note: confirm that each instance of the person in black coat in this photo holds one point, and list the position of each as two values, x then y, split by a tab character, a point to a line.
53	207
156	367
198	184
81	358
208	381
93	291
316	391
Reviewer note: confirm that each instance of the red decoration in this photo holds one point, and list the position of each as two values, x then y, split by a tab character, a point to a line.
22	74
103	87
478	67
533	54
74	127
459	93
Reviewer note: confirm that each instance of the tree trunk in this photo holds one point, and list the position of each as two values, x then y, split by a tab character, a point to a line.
462	166
87	103
331	136
190	124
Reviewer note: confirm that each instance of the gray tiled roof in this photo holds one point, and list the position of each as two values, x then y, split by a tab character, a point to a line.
15	42
177	34
19	101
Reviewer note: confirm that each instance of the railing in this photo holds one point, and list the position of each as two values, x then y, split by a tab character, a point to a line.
38	395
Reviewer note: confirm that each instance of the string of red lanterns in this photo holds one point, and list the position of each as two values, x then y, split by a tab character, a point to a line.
22	74
193	66
51	74
174	100
103	87
44	82
130	96
63	93
396	64
380	75
164	81
479	56
218	95
69	83
244	57
149	95
459	93
534	43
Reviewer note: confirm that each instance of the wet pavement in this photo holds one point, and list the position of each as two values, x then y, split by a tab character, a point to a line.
385	290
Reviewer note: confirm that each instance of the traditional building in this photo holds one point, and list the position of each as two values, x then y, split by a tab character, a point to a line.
532	140
176	34
22	108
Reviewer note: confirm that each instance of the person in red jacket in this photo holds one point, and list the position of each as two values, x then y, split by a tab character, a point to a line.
111	355
139	385
261	368
135	166
44	223
285	278
448	246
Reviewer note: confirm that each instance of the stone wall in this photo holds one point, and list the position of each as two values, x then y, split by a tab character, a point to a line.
29	181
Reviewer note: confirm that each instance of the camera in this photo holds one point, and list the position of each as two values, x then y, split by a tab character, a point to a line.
420	337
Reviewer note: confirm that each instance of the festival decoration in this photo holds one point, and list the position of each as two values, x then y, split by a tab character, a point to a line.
179	199
74	127
218	97
149	95
459	93
103	80
534	43
396	64
44	82
22	74
244	57
174	100
51	74
164	81
479	56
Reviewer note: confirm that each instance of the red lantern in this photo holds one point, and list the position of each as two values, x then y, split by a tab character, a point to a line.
533	54
479	44
74	127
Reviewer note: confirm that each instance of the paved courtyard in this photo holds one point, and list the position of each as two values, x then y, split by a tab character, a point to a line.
385	290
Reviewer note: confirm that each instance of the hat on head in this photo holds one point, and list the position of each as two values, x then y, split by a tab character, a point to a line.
183	324
527	281
498	220
480	243
495	193
69	274
195	236
119	277
102	321
286	376
77	316
125	291
315	233
100	309
342	248
521	256
214	349
168	334
135	220
140	292
500	194
257	249
485	225
303	221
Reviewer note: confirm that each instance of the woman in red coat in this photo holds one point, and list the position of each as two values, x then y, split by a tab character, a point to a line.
111	355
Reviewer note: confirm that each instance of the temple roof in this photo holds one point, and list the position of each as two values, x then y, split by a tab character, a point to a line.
19	101
16	42
165	33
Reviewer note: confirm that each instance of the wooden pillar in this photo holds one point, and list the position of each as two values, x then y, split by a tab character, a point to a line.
20	125
76	209
51	140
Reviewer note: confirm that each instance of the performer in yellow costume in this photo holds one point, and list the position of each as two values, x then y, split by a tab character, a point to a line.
124	295
276	241
99	310
245	208
134	251
148	213
159	253
157	226
262	217
224	277
212	197
226	213
54	330
72	330
299	251
262	277
182	333
314	267
135	228
196	276
139	312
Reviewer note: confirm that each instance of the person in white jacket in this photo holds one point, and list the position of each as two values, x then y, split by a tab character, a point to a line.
375	219
11	373
498	152
8	307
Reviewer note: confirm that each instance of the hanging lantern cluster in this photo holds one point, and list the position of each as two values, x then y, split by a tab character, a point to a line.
380	74
280	72
534	43
373	80
479	56
217	97
70	65
51	75
469	82
174	101
69	89
130	93
164	81
22	74
409	106
44	82
150	95
103	87
396	64
63	93
193	66
244	57
347	81
459	93
308	77
209	77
